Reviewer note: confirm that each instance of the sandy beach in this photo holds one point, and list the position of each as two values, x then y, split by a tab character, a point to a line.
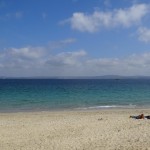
75	130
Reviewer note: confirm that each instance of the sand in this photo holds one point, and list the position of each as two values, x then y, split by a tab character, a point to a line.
75	130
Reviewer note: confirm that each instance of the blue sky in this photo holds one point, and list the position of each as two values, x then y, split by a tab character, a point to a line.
74	37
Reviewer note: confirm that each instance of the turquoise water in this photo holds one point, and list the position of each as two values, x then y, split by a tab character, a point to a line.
53	94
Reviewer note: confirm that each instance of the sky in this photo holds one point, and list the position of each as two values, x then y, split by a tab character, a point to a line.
74	37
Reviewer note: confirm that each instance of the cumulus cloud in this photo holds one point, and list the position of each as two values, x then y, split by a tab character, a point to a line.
27	52
66	59
124	66
26	57
99	19
36	61
144	34
39	61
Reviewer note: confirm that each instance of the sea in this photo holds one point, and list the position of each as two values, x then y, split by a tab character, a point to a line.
73	94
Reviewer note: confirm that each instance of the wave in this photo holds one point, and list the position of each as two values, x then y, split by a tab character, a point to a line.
108	106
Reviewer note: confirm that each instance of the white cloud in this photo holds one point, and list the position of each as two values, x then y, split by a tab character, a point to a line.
27	57
78	63
119	17
66	59
118	66
144	34
27	52
39	61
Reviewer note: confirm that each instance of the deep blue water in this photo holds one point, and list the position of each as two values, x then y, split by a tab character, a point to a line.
52	94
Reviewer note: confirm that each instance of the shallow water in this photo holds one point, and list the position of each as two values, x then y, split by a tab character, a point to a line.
53	94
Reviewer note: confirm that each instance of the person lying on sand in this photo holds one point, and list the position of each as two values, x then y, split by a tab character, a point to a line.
140	117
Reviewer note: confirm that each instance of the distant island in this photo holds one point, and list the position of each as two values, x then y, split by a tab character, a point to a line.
116	77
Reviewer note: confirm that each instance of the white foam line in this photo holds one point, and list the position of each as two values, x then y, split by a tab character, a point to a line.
108	106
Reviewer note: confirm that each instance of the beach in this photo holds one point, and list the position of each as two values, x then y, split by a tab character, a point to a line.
104	129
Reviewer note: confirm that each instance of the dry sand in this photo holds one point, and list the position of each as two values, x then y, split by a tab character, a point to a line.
75	130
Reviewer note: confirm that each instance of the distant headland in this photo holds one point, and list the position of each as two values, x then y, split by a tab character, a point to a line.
116	77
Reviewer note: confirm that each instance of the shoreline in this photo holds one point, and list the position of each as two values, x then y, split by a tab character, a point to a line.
92	108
